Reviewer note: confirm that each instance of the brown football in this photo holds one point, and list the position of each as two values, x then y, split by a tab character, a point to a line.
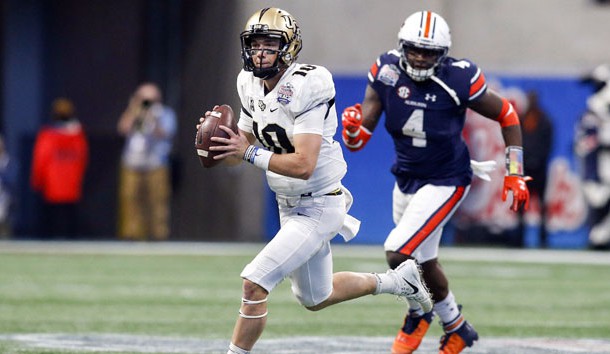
222	115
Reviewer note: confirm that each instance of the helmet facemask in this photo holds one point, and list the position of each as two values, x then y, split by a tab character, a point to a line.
248	54
420	62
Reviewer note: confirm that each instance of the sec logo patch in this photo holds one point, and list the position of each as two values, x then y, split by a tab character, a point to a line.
403	92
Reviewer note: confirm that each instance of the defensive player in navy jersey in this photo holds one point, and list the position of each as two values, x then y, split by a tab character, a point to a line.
425	94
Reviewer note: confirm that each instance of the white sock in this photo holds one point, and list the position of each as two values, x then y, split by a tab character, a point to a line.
448	311
385	284
233	349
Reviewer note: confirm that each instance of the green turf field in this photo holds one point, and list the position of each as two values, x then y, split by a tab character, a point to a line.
198	296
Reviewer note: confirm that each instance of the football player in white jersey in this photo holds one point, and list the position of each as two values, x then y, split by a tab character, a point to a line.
289	109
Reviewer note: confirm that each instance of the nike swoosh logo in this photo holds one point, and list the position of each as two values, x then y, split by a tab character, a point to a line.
273	110
300	214
415	288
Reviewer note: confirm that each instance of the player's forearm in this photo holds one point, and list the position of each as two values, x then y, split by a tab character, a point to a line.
512	135
293	165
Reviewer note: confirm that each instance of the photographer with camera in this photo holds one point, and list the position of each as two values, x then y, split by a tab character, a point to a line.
145	187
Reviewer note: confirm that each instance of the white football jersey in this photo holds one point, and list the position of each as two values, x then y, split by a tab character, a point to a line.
303	101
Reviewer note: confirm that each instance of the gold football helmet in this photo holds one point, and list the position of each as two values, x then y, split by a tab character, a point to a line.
274	23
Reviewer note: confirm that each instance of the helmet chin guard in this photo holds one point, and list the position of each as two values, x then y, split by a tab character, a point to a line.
266	73
417	74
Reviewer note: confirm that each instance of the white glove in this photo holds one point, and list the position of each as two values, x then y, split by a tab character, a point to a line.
481	169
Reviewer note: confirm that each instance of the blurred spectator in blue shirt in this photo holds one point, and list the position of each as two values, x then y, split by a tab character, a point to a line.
145	186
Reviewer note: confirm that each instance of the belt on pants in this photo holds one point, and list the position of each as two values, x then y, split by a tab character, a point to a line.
337	191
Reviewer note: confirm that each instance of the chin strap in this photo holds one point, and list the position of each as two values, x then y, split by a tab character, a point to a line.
266	73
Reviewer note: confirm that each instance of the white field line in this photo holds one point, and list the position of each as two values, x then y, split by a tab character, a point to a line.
100	343
339	250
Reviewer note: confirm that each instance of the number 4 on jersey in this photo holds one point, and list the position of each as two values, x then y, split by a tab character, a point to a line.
414	127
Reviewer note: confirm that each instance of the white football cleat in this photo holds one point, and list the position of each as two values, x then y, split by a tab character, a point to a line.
409	284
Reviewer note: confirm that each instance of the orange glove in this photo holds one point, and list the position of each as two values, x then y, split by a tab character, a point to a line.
355	136
521	195
351	119
356	142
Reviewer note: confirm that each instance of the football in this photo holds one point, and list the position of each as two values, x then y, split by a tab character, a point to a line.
222	115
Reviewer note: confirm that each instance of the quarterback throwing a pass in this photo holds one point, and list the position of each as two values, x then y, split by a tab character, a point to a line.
425	94
289	109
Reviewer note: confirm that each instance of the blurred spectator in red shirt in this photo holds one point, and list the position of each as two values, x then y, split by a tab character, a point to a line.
58	168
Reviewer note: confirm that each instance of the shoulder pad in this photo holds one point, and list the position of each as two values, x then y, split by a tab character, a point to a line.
386	68
307	87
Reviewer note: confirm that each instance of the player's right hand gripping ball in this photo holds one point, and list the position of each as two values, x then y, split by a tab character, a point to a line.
222	115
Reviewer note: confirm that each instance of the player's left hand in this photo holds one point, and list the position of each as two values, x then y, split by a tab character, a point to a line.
521	195
205	115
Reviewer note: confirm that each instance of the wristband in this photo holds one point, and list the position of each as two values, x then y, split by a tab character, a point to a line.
514	160
259	157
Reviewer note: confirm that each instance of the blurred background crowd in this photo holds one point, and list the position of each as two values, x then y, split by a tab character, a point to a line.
99	100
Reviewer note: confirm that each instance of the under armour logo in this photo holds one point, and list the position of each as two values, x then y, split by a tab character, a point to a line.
430	97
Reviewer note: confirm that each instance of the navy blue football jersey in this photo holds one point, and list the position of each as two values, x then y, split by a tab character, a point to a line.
425	119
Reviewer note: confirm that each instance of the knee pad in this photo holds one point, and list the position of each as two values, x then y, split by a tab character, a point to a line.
306	301
310	300
307	296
